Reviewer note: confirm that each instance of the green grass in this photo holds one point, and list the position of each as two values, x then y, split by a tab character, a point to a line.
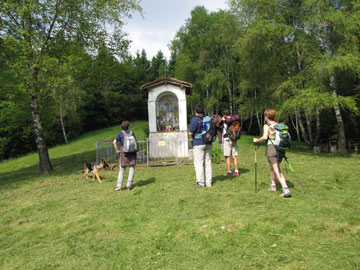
61	221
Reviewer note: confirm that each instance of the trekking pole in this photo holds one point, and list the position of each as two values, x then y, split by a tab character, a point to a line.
255	168
286	169
291	168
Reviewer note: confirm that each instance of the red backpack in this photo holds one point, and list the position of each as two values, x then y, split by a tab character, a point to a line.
234	128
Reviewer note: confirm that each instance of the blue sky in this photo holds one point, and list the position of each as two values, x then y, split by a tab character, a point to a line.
162	19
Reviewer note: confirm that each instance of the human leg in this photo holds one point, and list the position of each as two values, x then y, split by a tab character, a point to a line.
234	153
227	153
272	175
120	177
282	180
130	177
208	168
272	178
199	164
277	171
228	165
236	170
235	161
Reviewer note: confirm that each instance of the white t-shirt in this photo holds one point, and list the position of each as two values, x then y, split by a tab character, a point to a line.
225	138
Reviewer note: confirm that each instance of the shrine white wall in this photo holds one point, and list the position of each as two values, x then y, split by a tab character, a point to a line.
152	98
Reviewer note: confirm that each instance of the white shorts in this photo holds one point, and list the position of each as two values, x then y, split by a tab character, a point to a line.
230	148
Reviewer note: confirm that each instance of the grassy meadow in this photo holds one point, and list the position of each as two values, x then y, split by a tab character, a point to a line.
61	221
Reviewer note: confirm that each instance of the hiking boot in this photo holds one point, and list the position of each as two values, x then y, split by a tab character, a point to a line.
129	188
118	189
272	188
229	174
198	186
285	193
235	174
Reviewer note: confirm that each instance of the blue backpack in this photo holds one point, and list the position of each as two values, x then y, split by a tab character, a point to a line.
208	130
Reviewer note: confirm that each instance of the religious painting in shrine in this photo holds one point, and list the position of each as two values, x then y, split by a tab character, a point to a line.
167	113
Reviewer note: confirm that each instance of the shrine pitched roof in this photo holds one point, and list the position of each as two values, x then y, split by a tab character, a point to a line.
165	80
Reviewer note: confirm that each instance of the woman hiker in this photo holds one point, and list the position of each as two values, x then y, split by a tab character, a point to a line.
271	153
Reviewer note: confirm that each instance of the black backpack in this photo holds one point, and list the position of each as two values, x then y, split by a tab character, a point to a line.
208	133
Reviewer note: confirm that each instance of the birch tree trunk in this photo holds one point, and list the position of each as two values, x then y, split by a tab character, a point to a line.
303	131
318	128
233	94
260	123
309	128
340	122
62	124
297	124
251	119
44	160
230	100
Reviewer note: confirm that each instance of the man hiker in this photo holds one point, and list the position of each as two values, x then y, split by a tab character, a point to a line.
201	150
127	153
269	134
230	146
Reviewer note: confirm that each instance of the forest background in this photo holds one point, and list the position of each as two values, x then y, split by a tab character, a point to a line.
65	68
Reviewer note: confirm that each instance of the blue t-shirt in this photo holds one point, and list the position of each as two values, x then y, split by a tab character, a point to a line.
196	128
120	136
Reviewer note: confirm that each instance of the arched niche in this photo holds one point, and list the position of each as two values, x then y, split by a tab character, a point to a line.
167	112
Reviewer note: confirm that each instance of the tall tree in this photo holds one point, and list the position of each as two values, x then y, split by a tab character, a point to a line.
296	51
158	66
30	28
204	55
336	27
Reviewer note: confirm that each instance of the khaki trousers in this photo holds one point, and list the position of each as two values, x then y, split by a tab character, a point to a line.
202	164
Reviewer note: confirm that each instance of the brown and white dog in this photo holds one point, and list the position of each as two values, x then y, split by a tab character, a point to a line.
94	168
111	166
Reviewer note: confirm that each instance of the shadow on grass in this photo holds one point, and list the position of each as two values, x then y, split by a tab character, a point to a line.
221	178
63	166
144	182
263	185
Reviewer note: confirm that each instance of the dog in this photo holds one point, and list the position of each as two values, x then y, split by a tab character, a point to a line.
111	166
94	168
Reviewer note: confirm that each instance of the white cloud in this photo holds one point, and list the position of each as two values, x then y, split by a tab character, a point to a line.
211	5
151	41
162	18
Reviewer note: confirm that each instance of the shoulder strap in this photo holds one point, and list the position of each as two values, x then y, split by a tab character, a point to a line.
201	119
271	126
126	134
129	134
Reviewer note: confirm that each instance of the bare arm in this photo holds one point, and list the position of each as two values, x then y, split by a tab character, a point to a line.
115	146
265	135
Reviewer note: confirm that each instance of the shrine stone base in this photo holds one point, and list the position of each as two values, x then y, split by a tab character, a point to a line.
168	144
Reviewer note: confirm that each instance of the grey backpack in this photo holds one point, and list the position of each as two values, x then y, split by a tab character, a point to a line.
130	145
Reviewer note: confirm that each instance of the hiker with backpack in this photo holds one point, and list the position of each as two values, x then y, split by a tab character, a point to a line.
274	150
231	133
203	130
127	153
